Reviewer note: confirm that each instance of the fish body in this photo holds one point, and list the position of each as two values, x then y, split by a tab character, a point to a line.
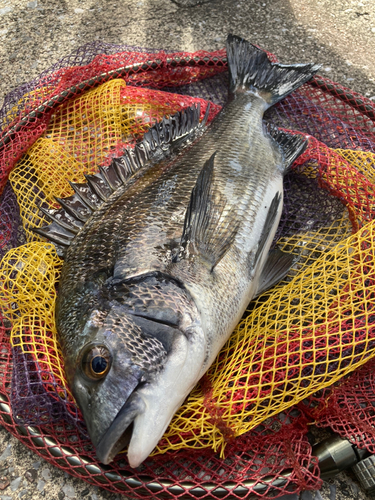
159	271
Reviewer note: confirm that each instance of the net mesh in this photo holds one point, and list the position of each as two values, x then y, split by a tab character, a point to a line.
348	409
296	342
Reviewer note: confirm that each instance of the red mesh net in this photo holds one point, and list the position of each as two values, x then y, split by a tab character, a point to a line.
348	408
275	457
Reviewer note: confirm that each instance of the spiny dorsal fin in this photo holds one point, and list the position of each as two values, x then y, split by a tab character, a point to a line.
292	146
209	227
171	133
74	207
157	144
60	236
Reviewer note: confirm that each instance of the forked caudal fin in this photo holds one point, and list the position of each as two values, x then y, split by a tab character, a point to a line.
250	69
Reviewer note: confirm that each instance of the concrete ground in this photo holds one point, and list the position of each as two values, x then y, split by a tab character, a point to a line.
34	34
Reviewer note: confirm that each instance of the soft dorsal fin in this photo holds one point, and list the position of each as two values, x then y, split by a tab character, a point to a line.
157	144
292	146
209	227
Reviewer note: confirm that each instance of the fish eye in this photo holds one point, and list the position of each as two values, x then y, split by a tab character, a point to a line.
96	362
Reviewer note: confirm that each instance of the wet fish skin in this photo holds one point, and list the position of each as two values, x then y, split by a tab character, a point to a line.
160	274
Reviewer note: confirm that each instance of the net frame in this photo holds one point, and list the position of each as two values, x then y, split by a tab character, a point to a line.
28	434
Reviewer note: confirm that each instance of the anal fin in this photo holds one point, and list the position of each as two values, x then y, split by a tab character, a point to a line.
275	269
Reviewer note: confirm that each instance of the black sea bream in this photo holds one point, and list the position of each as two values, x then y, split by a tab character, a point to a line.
163	251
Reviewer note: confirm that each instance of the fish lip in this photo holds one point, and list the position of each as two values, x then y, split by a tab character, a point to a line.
114	439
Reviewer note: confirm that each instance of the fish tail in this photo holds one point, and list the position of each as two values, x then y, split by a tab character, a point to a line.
251	70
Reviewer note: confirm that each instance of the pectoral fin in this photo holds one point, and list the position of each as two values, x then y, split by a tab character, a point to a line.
275	269
210	226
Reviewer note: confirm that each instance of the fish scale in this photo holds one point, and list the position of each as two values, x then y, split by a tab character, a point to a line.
177	244
153	219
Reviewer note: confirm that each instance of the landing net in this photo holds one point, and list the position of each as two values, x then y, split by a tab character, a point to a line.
244	428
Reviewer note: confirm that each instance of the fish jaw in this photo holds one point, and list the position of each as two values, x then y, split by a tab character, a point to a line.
101	402
148	410
178	378
118	434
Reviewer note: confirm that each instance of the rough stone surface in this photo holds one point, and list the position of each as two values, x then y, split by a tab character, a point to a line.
6	453
34	34
46	474
69	491
4	482
15	484
338	34
40	485
31	475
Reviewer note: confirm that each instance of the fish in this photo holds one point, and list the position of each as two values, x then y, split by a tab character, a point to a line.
164	249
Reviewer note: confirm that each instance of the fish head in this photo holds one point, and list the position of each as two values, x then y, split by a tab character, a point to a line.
143	352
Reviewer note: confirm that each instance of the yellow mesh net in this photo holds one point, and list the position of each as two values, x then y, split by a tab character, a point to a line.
28	292
297	338
363	161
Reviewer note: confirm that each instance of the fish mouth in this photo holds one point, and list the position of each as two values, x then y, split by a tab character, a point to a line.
119	433
142	420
